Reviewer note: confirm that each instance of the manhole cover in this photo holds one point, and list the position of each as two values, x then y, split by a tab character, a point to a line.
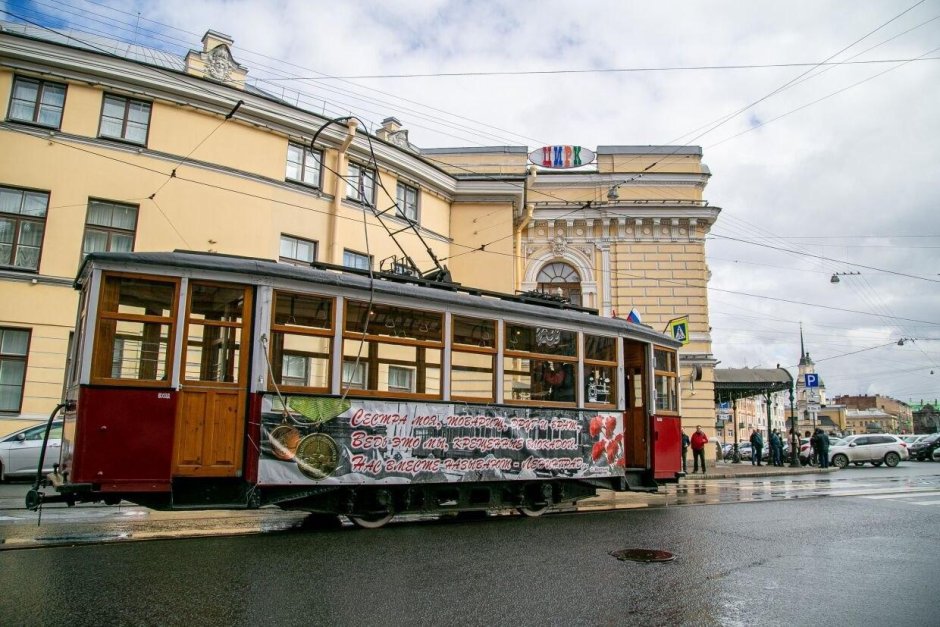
643	555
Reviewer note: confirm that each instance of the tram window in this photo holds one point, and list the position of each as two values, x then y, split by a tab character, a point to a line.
474	332
539	380
381	365
600	370
473	359
135	330
472	375
212	353
542	340
301	360
666	380
600	348
393	321
216	302
301	340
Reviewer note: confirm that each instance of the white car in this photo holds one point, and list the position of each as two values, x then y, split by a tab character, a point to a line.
19	451
877	448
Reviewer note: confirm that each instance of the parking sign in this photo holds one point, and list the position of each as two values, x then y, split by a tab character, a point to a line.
811	379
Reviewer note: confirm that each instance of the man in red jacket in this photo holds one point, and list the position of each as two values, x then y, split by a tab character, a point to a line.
699	440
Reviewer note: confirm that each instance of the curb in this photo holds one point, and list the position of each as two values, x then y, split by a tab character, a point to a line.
761	473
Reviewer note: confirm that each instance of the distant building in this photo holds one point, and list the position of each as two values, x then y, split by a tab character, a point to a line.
899	409
871	421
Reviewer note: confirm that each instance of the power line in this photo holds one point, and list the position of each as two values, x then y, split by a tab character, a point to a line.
678	68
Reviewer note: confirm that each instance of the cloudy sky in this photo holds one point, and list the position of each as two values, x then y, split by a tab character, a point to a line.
818	168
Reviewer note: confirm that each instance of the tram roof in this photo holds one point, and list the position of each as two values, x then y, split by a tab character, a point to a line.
446	294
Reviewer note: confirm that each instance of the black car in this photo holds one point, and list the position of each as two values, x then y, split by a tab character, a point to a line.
923	450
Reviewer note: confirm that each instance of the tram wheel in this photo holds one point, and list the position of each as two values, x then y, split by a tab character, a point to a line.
372	521
534	511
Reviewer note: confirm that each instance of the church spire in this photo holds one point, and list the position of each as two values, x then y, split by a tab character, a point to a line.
804	357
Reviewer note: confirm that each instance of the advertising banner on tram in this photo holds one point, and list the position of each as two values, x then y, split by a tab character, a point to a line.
327	440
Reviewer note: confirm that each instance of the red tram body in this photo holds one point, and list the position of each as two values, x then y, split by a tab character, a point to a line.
208	381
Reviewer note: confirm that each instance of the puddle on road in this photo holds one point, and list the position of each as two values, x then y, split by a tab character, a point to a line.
643	555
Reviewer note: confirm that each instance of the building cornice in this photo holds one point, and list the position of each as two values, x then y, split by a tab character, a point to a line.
55	61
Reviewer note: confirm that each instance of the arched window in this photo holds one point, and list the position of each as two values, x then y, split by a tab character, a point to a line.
560	279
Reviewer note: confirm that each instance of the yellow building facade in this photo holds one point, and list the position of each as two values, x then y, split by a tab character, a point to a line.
150	153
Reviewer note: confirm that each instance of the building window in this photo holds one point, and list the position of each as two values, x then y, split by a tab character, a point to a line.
352	259
109	227
298	251
125	118
22	222
407	197
14	346
354	375
304	165
401	379
37	102
360	184
560	279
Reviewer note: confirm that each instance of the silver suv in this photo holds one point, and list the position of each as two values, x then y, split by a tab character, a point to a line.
877	448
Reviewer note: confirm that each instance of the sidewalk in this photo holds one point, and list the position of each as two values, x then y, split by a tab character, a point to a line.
730	470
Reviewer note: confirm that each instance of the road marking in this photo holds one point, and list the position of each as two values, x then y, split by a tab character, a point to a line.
905	495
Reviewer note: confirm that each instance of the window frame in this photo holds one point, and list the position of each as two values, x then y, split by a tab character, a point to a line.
401	201
125	119
361	171
170	321
513	353
327	332
358	255
672	376
459	347
13	357
376	341
294	260
18	219
37	105
305	153
109	230
590	363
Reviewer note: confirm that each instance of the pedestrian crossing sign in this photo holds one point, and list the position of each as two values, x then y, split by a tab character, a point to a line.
678	328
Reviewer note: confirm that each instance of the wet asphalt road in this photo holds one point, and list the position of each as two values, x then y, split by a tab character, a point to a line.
783	554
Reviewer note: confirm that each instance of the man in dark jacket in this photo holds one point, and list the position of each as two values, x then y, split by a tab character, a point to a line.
776	448
757	447
821	446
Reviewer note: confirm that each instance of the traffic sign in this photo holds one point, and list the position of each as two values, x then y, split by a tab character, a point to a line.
811	379
814	407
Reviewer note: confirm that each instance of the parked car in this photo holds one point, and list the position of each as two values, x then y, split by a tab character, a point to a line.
923	449
19	451
876	448
911	439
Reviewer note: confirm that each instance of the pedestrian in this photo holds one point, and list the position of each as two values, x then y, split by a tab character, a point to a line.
685	450
698	441
757	447
776	448
822	448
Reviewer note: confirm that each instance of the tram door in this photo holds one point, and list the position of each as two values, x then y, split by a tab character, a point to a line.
210	420
634	417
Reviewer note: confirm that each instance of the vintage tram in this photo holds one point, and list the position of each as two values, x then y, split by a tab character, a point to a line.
202	381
